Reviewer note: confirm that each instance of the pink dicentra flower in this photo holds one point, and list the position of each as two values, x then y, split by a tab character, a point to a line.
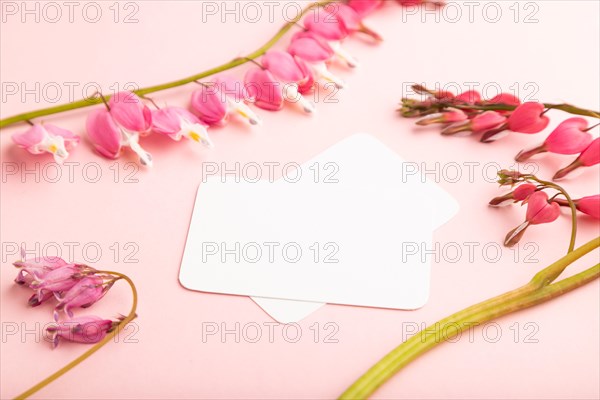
589	205
539	211
570	137
480	123
324	23
521	193
83	294
469	97
265	89
59	280
35	268
47	138
216	101
353	21
292	75
449	115
177	123
119	126
364	7
316	53
589	157
528	118
86	329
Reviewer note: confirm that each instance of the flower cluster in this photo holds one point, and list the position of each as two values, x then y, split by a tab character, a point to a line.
541	209
279	77
71	286
467	113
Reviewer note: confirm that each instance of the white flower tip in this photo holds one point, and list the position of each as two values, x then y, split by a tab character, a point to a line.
146	160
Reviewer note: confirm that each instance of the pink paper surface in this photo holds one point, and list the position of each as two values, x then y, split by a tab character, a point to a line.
551	351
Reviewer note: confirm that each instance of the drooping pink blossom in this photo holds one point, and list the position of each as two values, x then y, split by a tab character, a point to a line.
521	193
469	97
324	23
291	74
47	138
60	279
539	211
569	137
130	113
83	294
449	115
216	101
85	329
177	122
353	21
317	54
365	7
35	268
528	118
589	157
109	138
480	123
265	89
589	205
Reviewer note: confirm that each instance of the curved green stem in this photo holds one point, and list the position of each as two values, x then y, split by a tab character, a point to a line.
571	109
93	349
537	291
140	92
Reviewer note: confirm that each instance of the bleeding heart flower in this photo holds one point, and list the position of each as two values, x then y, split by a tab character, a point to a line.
214	102
589	157
87	329
317	54
521	193
130	113
364	7
327	25
292	74
448	116
570	137
480	123
528	118
265	89
47	138
589	205
60	279
406	3
36	268
469	97
109	138
353	21
83	294
177	122
539	211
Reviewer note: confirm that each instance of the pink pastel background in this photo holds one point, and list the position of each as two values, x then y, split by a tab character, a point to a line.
557	57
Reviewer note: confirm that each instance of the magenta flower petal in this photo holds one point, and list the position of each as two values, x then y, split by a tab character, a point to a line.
130	112
262	86
364	7
232	87
84	293
310	48
104	133
589	205
324	23
569	137
177	122
210	105
47	138
283	66
591	155
30	138
539	211
528	118
86	329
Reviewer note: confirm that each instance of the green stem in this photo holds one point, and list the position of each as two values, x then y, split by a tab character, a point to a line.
93	349
537	292
571	109
140	92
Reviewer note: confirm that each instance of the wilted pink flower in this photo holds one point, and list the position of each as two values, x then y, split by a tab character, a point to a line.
177	122
504	98
364	7
480	123
539	211
109	138
60	279
291	74
590	156
47	138
569	137
329	26
87	329
317	54
447	116
36	268
264	88
216	101
528	118
83	294
521	192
